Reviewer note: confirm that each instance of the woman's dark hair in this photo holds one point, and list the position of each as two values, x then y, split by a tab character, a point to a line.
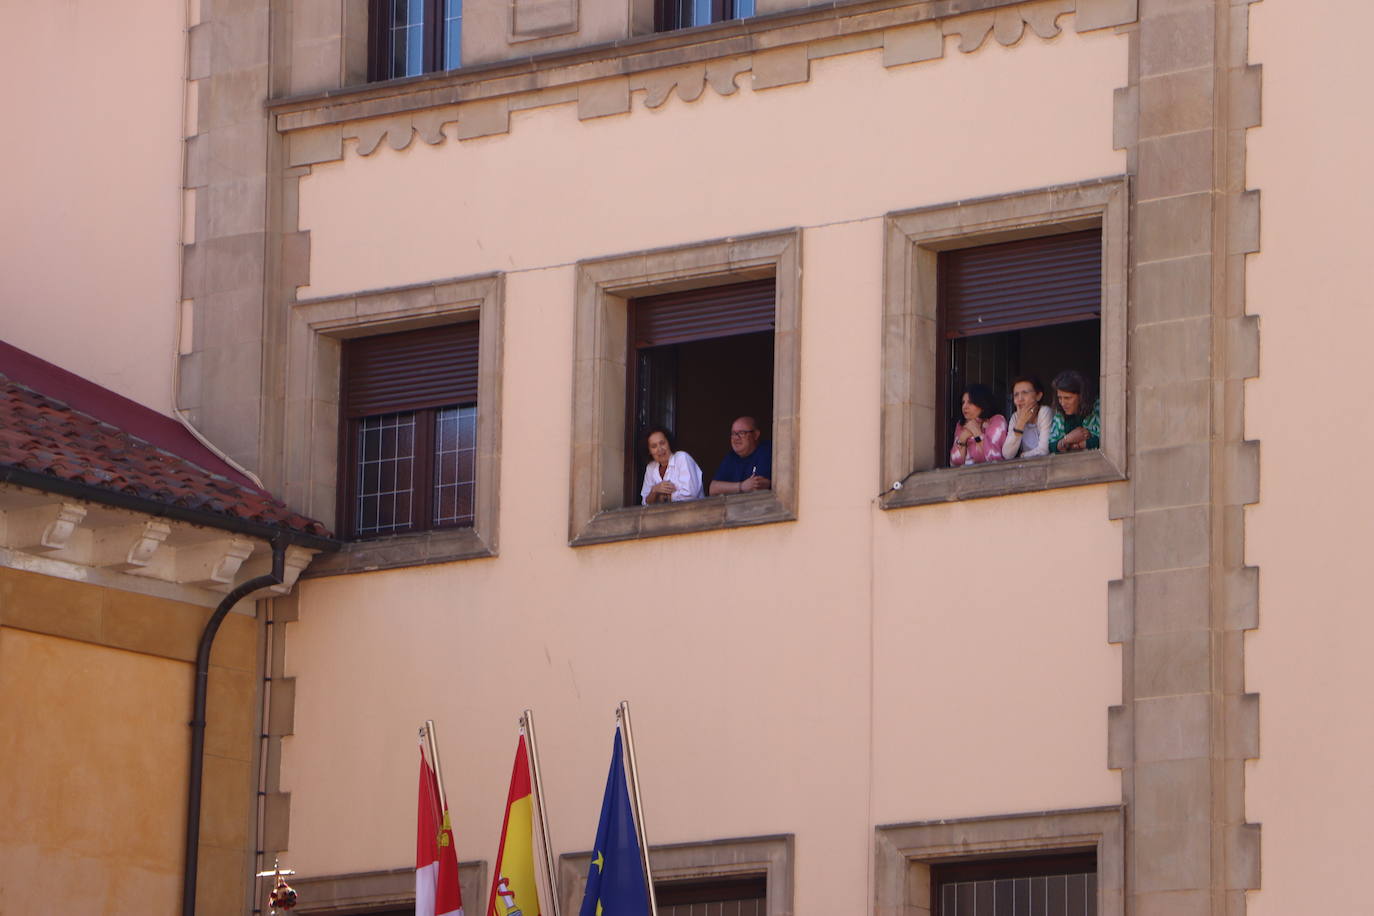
981	396
666	434
1031	380
1072	381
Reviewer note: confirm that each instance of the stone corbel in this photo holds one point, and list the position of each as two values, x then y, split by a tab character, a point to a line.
44	529
296	560
129	547
213	565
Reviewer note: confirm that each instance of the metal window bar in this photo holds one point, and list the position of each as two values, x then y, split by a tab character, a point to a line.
386	462
1042	895
455	465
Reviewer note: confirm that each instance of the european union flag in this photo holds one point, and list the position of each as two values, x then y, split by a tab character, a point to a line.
615	881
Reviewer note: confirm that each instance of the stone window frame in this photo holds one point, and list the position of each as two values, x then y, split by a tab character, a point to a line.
604	287
317	331
913	241
369	891
772	856
905	853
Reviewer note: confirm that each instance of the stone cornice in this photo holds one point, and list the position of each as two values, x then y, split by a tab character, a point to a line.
775	50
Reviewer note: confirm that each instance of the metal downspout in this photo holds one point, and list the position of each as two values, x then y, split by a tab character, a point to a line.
207	639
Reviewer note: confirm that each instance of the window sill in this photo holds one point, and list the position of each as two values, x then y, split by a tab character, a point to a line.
1023	475
420	549
708	514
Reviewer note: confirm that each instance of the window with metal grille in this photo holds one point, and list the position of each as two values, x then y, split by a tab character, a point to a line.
698	359
410	37
684	14
409	403
734	896
1030	307
1059	885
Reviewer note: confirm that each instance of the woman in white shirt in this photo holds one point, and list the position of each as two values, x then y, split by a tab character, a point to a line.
670	476
1028	426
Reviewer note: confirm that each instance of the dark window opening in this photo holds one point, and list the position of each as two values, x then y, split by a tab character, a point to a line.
684	14
744	896
698	360
1057	885
410	37
1030	307
409	408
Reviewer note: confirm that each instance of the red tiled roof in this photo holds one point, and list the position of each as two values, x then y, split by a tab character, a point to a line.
43	434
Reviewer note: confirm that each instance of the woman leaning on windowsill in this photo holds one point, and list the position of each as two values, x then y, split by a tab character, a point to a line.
1076	426
1028	432
978	439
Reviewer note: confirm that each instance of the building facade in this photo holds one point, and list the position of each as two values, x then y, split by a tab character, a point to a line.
433	272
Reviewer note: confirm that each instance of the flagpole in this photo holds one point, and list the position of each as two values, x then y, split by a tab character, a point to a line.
433	744
527	725
622	718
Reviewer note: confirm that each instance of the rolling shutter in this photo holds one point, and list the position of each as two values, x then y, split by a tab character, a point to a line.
1026	283
412	370
701	314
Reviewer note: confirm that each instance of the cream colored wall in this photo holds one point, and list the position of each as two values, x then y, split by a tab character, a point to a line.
819	677
92	745
89	218
1310	533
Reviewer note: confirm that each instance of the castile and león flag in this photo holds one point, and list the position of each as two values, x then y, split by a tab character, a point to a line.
619	881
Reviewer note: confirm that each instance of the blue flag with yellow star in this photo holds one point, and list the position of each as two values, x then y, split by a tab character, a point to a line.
615	880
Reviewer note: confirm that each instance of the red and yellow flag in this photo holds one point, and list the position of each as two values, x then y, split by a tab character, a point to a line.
514	891
437	892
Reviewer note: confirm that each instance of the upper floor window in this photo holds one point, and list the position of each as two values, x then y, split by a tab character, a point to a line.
684	14
410	37
701	359
1023	314
410	430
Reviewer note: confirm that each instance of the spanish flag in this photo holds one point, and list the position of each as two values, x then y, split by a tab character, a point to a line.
514	891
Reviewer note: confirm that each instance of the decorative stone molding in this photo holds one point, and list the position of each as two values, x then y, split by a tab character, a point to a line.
775	50
43	529
131	547
904	853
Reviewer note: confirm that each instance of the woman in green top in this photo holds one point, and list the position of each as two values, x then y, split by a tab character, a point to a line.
1075	426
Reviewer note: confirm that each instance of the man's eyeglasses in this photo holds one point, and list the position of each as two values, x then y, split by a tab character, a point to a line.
741	433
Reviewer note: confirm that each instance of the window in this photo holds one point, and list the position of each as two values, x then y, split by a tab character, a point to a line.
607	374
410	406
984	291
1058	885
751	876
702	357
742	896
323	334
410	37
684	14
1030	307
1047	863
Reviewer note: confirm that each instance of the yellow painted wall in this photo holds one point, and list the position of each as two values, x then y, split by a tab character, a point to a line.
95	694
1310	533
853	668
93	756
90	195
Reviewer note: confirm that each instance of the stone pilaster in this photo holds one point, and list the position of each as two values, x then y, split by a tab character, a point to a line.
1187	725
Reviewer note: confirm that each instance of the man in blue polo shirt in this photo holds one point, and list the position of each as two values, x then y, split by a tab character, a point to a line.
749	466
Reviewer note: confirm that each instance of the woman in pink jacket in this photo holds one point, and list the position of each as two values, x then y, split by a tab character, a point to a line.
979	437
